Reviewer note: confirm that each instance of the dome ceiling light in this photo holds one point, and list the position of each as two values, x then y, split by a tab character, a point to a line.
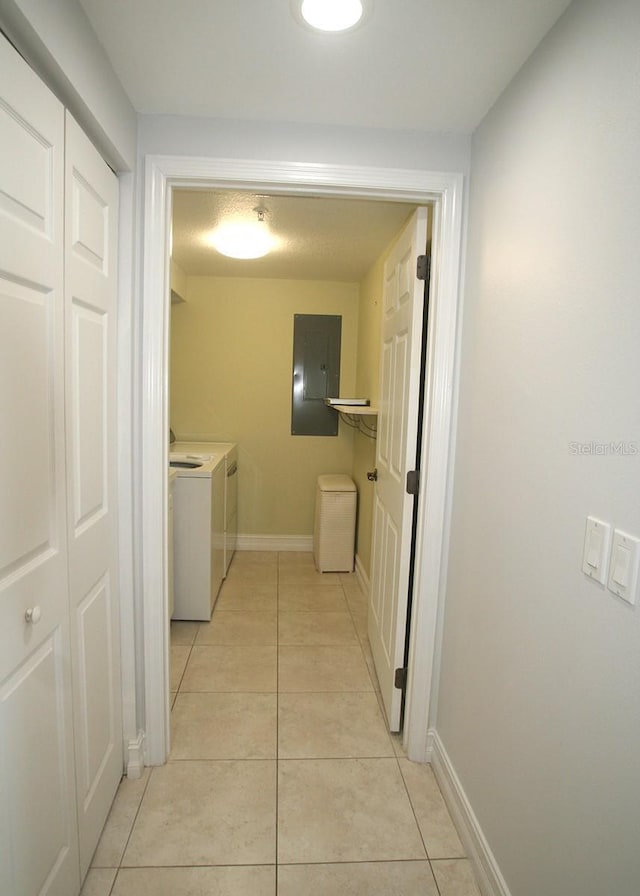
330	15
244	239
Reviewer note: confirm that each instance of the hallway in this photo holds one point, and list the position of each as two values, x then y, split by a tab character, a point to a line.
282	777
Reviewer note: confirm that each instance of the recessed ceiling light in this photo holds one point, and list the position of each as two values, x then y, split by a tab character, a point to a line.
331	15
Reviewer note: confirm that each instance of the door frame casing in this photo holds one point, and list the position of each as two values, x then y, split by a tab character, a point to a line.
442	189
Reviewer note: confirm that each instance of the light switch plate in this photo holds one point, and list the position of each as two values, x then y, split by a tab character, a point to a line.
623	568
597	538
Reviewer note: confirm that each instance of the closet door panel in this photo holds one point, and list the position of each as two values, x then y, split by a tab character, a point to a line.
29	327
90	288
32	701
38	826
88	405
29	163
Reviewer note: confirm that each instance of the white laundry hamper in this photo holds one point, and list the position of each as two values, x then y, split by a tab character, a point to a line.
334	531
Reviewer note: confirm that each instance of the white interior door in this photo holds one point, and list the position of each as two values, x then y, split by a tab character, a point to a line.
38	829
91	199
395	456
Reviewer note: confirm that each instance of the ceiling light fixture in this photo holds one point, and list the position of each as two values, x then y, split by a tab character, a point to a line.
331	15
244	239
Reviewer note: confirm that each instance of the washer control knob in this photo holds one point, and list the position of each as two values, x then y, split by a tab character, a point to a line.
33	615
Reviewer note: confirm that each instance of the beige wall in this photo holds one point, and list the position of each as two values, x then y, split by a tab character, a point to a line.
178	282
231	355
231	360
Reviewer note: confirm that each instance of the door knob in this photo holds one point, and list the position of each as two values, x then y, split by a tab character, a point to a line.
32	615
372	475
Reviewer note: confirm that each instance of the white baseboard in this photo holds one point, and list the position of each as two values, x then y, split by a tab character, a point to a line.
488	875
274	543
135	756
361	575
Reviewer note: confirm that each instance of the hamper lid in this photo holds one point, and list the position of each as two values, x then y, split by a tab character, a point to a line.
336	482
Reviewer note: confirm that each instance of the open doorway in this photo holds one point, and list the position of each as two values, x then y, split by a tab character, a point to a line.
230	370
231	346
418	187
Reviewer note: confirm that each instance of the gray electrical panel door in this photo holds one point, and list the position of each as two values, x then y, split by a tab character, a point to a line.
316	373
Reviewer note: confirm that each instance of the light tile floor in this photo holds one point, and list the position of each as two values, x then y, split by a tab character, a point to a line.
282	777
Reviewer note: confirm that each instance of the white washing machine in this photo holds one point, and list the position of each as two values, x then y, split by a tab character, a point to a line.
172	478
198	528
230	505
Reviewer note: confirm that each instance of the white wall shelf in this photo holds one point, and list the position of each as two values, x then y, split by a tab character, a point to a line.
356	410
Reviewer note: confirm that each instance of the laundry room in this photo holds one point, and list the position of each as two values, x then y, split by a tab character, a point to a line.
232	347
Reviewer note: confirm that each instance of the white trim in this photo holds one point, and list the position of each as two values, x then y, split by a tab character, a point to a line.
444	190
436	476
362	577
302	178
153	462
430	744
485	866
274	543
126	506
135	756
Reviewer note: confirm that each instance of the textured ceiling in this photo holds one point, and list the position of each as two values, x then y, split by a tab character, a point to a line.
432	65
320	238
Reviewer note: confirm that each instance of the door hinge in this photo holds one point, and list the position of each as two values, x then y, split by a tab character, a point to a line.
413	482
423	267
400	678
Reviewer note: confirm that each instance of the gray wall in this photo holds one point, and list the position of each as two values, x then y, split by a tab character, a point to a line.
56	38
282	141
539	704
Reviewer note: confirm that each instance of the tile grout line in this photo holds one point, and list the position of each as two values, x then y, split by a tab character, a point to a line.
133	824
426	851
146	786
396	757
113	883
374	683
190	646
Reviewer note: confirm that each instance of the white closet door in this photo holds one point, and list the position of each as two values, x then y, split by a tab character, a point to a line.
38	829
91	199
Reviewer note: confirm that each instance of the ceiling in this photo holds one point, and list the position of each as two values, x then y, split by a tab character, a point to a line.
320	238
431	65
